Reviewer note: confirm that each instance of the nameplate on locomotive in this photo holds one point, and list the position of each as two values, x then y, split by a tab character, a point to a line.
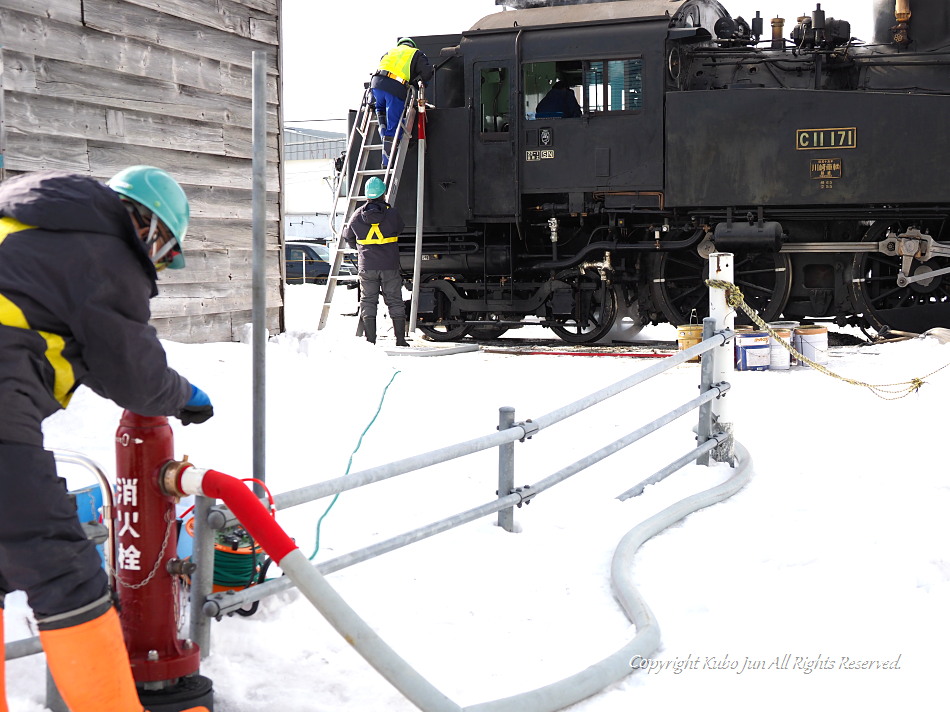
539	155
818	139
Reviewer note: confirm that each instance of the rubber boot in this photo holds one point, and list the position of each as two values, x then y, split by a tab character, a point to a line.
90	666
399	329
369	328
3	687
387	150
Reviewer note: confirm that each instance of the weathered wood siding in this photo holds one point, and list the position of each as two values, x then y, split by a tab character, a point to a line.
93	86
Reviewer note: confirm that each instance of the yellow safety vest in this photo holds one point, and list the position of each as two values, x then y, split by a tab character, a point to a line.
375	237
396	63
12	315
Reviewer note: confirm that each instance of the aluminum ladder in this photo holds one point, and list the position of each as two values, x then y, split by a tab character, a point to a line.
365	142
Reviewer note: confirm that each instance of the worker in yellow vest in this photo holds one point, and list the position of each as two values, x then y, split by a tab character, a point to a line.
374	232
79	260
401	66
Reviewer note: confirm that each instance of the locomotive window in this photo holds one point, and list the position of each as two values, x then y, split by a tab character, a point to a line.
494	99
614	85
541	77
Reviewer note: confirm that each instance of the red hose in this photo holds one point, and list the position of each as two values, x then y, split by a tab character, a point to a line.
248	509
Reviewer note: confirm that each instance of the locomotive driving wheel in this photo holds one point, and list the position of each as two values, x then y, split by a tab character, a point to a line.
440	324
595	308
915	307
679	284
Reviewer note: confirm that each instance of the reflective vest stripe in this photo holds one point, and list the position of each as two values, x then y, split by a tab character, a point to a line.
398	62
375	237
64	379
10	225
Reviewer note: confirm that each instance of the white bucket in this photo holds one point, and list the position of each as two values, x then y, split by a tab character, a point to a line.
780	358
812	343
752	351
791	326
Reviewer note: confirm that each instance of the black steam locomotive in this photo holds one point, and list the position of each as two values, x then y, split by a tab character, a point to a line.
820	161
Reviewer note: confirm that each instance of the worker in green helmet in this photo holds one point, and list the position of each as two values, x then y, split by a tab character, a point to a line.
401	66
374	232
78	266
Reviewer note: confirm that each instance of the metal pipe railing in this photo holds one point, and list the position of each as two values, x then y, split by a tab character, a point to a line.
222	518
220	604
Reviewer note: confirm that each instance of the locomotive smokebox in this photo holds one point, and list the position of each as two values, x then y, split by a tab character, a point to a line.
741	236
927	27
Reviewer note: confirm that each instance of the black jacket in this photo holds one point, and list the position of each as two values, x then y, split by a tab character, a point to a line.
375	253
75	284
419	70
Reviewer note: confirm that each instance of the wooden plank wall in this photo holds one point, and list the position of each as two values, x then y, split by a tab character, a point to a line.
93	86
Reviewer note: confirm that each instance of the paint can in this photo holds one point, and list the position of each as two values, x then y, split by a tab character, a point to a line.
812	343
780	358
752	351
791	326
689	335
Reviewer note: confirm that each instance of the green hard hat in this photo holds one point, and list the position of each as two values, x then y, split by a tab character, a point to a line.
156	190
375	188
407	41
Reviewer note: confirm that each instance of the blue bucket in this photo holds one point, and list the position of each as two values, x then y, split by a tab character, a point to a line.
753	351
88	503
89	508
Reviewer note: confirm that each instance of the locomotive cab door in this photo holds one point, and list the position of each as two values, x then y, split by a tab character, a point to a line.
494	193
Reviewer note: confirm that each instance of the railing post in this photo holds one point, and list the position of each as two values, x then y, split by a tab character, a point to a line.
506	468
704	429
720	268
202	579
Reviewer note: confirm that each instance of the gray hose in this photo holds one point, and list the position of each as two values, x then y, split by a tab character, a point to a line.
615	667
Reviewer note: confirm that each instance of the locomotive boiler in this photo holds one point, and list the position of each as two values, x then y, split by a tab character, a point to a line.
819	159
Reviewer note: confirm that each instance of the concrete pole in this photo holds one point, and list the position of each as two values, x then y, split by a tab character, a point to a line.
720	268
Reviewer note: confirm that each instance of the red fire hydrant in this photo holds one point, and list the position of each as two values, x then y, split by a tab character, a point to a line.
165	666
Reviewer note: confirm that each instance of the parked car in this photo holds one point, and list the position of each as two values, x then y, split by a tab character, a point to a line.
309	263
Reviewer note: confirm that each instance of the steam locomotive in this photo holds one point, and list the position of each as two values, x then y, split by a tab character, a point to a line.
822	162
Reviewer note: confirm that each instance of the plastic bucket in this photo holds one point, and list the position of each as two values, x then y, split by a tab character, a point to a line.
752	351
780	358
689	335
812	343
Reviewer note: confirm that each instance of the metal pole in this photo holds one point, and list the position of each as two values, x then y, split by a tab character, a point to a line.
506	468
3	130
720	268
259	240
202	579
420	195
705	427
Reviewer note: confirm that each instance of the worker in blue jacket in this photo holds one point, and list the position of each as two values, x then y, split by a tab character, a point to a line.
374	232
401	66
78	265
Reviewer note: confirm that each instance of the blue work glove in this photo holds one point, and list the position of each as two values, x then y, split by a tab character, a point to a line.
198	408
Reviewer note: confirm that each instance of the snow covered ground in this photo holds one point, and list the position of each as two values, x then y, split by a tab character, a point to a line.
836	553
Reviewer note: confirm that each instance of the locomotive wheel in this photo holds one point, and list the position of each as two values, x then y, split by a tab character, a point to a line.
486	332
595	309
679	285
915	308
443	327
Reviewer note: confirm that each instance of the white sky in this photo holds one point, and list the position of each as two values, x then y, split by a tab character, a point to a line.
330	49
